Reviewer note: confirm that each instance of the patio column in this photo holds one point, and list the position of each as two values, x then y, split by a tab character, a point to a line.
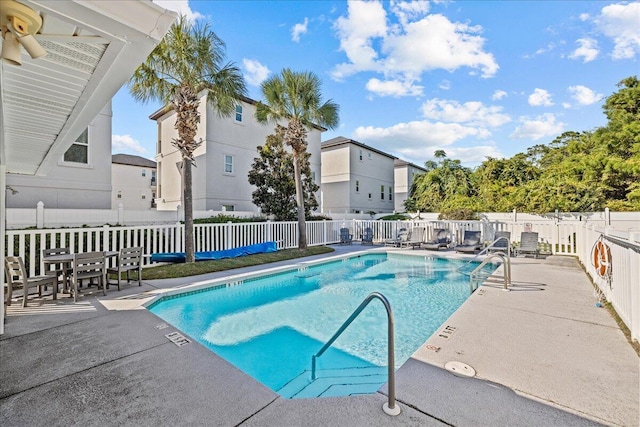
3	205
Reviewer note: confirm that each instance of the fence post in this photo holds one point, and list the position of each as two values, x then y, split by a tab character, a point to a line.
324	231
121	214
227	234
105	238
40	215
268	236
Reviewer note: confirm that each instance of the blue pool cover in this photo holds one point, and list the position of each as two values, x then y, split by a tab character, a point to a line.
258	248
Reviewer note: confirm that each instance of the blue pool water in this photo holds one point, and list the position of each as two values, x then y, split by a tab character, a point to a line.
270	327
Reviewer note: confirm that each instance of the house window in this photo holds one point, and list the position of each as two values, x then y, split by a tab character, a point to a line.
79	150
360	155
228	208
228	164
313	176
369	154
144	172
390	194
119	196
238	113
382	192
369	196
144	196
357	186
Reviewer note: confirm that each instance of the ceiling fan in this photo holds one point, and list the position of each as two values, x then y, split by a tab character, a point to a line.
18	24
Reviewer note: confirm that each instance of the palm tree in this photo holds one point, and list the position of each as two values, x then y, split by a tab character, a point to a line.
296	97
184	66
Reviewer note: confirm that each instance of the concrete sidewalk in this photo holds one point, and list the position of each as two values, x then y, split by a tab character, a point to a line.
544	355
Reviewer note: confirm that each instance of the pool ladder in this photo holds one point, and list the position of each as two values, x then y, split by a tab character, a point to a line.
390	407
474	277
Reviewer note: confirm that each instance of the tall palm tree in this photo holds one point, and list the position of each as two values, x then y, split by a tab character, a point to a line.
184	66
296	97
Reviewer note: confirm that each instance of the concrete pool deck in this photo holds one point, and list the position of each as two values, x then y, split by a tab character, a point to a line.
543	353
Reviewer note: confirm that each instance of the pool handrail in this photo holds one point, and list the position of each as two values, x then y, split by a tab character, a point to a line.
506	262
390	407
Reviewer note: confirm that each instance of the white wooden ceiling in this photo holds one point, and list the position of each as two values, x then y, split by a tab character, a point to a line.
93	47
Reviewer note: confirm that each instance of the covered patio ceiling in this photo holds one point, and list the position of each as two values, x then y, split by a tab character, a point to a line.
93	47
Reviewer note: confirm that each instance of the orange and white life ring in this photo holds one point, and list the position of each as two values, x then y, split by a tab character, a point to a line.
601	258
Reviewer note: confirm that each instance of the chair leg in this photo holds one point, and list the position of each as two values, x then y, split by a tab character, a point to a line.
26	294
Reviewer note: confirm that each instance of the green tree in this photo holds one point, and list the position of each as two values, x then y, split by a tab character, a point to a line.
296	97
445	187
272	173
187	62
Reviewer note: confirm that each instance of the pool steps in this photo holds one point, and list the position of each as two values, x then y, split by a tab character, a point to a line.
336	382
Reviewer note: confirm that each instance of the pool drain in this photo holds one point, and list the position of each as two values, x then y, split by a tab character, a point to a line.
460	369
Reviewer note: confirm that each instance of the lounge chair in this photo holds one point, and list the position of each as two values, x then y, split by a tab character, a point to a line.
471	243
128	259
440	240
528	244
346	238
416	237
501	242
403	235
367	237
16	276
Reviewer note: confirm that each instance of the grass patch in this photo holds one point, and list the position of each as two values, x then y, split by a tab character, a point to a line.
171	271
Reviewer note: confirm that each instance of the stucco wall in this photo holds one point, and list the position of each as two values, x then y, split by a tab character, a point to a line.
71	185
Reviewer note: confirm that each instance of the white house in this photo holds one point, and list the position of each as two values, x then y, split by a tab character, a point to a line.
79	179
222	162
133	182
356	178
404	173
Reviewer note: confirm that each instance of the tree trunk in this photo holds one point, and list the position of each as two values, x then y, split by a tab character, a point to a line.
189	248
302	227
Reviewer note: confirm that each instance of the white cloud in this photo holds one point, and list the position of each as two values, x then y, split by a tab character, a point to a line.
498	95
255	72
445	85
583	17
588	50
541	126
394	88
540	97
409	10
583	95
364	21
434	42
472	113
566	105
417	135
474	155
299	29
418	43
620	23
126	144
180	6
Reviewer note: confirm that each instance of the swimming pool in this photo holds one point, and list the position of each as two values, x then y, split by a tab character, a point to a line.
269	327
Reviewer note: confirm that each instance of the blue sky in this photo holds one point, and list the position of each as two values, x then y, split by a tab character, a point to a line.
473	78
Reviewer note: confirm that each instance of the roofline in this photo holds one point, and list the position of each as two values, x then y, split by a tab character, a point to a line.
400	162
167	108
340	140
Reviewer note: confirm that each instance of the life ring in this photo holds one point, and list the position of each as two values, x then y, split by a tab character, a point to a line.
601	258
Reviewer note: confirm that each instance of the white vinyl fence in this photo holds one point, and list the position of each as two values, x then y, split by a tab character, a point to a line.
620	286
620	283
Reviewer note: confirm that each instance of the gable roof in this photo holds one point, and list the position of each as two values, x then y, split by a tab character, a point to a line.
341	140
400	163
131	160
93	47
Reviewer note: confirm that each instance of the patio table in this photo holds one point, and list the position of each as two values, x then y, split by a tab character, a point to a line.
67	260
